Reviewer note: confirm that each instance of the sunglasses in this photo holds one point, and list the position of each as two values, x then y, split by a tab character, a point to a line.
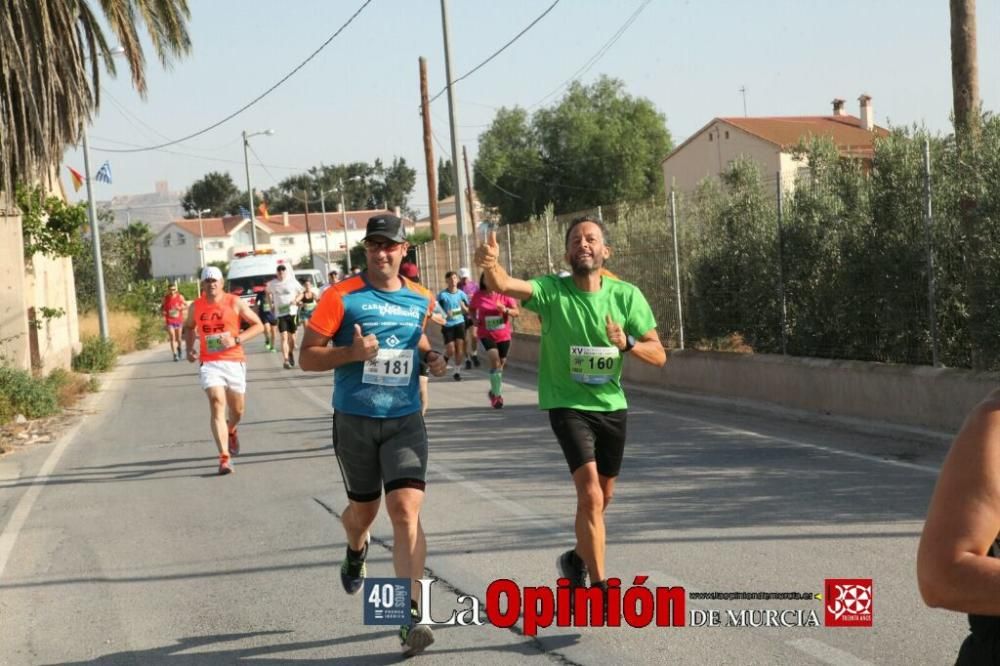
375	246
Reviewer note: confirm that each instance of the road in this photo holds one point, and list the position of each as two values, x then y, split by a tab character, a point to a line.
120	545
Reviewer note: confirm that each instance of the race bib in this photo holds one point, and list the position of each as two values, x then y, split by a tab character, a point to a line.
391	367
173	313
495	323
213	343
284	310
454	314
265	306
593	365
308	307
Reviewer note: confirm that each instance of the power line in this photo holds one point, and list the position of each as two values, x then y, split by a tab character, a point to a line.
598	55
253	101
192	155
497	52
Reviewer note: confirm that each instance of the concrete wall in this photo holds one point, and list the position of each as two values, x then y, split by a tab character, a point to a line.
701	158
915	396
14	340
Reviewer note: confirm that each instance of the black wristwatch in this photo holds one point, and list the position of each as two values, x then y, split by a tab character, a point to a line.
629	343
236	339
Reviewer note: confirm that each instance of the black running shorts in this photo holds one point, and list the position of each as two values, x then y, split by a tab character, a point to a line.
378	453
585	436
503	348
286	324
453	333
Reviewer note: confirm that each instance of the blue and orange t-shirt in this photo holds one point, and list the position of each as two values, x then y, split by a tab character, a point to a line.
387	386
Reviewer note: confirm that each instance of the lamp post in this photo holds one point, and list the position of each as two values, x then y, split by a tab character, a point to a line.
246	164
343	212
201	232
95	234
95	229
326	232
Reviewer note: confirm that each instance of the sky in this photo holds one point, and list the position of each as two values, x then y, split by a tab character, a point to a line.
358	98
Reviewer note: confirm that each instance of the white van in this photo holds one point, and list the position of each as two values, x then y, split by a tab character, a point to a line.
250	274
303	274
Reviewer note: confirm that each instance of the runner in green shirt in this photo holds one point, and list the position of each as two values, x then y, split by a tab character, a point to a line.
590	323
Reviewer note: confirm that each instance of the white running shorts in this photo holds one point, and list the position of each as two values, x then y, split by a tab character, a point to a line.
231	375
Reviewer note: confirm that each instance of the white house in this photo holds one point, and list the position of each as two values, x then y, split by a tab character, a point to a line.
770	142
176	250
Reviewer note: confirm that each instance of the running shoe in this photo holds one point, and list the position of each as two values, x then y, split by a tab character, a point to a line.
273	350
267	345
234	443
498	402
225	465
468	364
353	571
287	365
457	376
569	565
291	360
475	360
414	637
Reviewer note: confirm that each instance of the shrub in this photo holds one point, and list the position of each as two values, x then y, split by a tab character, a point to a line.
149	331
26	395
96	355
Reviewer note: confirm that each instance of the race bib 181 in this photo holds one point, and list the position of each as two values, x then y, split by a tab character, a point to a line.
391	367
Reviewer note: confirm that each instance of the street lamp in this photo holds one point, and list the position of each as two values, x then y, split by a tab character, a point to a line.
201	232
95	230
343	212
246	164
305	201
326	232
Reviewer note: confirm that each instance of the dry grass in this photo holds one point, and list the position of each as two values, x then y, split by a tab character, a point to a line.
74	389
122	325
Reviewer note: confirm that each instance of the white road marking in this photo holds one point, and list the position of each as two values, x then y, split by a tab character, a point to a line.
826	653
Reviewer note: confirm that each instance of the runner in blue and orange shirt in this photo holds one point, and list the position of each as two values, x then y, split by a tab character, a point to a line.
376	323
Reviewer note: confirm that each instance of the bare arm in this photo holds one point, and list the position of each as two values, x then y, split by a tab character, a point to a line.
649	349
189	335
248	315
954	570
318	356
497	279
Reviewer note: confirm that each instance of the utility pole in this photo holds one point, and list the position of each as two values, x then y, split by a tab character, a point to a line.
743	91
965	98
453	124
929	235
95	236
425	111
309	237
468	192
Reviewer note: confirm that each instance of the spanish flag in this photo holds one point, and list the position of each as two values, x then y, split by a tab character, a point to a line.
262	210
76	177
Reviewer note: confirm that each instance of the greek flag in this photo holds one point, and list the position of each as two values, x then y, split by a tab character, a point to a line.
104	173
244	212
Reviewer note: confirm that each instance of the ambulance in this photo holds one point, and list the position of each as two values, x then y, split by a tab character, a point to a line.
249	272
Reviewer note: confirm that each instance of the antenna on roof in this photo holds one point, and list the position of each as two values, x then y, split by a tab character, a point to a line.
743	91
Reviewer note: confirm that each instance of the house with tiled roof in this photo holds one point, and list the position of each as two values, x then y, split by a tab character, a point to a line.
769	141
177	250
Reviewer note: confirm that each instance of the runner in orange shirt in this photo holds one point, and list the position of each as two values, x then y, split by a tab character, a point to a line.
173	313
215	316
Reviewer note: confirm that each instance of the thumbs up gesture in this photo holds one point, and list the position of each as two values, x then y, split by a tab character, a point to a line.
364	347
488	254
616	335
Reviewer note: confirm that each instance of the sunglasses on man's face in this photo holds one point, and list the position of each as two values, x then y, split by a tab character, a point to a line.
375	246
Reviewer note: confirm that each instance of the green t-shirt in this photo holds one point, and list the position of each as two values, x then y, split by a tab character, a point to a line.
579	368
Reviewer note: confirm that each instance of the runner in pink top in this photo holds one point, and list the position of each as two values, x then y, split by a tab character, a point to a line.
493	314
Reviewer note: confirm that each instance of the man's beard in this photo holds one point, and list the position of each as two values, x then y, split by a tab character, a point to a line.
581	269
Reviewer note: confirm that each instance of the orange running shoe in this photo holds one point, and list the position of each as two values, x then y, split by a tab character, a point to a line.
225	465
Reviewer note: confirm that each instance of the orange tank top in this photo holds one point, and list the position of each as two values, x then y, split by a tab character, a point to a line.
213	321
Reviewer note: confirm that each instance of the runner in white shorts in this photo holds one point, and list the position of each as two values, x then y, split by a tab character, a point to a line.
215	316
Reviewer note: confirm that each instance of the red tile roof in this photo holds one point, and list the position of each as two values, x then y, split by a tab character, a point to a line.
787	131
223	226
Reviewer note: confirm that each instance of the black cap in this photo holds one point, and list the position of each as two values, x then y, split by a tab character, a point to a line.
386	225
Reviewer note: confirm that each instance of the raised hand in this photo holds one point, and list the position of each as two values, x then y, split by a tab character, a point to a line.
488	254
436	363
616	335
364	347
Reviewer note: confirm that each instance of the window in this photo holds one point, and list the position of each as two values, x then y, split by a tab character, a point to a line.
288	240
710	136
166	241
727	134
214	245
181	239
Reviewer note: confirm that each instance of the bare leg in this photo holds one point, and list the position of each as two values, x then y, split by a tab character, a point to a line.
217	410
357	520
593	494
237	404
409	546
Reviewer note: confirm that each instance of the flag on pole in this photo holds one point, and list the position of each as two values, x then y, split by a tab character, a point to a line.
244	212
76	177
104	173
262	210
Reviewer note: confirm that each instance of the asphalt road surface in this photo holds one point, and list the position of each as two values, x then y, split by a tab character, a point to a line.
119	544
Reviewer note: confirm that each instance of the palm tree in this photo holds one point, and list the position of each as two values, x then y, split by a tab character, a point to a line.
51	52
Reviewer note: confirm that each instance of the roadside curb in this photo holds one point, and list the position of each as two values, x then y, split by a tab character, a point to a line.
744	406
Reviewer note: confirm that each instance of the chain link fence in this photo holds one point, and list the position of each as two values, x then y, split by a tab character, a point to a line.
844	259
